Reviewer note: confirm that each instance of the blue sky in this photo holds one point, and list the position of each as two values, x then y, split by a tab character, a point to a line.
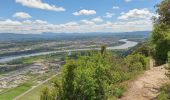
38	16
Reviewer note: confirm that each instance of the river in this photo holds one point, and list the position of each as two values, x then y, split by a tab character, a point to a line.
127	44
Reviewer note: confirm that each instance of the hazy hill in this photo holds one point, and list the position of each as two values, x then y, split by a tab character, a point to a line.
66	36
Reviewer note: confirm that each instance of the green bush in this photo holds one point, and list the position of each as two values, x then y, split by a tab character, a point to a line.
168	74
144	49
46	94
98	75
136	62
161	32
164	94
169	58
119	91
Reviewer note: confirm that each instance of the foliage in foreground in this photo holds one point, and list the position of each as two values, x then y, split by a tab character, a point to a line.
169	64
164	93
165	89
161	33
95	76
161	42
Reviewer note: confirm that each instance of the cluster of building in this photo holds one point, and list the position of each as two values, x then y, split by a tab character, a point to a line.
15	78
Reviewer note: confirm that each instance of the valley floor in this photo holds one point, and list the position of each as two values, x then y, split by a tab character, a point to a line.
147	86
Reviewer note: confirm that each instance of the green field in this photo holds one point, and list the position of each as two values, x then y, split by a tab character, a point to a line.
33	95
12	93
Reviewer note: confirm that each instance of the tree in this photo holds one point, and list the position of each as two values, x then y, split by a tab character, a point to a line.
163	10
68	78
87	78
144	49
161	32
161	42
103	49
168	74
45	95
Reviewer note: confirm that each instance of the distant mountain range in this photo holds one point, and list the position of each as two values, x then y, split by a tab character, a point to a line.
65	36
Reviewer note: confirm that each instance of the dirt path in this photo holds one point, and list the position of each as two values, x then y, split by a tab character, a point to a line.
146	87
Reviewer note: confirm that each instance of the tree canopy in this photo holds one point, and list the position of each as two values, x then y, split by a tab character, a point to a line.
163	10
161	32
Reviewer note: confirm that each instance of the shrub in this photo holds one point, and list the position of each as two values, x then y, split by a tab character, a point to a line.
97	76
119	91
45	94
136	62
168	74
164	94
169	58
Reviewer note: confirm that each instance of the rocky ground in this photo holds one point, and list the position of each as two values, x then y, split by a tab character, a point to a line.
147	86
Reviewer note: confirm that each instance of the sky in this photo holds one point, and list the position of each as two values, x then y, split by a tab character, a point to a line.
76	16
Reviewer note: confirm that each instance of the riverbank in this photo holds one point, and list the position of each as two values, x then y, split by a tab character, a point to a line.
127	44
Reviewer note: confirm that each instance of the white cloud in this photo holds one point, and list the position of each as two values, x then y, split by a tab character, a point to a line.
40	22
22	15
92	21
97	19
109	15
40	26
128	0
9	22
88	22
136	14
116	7
40	5
84	12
